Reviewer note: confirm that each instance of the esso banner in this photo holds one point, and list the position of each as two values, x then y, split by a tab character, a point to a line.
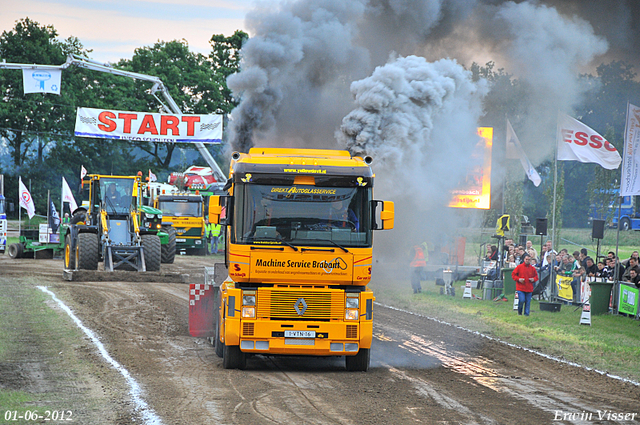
630	181
148	127
578	142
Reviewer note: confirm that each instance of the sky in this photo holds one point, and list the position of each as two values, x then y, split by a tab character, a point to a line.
114	29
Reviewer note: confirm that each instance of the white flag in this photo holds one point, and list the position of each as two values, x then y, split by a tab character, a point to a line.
515	151
41	80
152	177
83	172
578	142
630	180
67	195
26	201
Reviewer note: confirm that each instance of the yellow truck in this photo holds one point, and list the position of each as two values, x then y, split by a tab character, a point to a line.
185	211
299	225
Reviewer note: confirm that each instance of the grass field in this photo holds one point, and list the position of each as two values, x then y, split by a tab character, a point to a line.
610	344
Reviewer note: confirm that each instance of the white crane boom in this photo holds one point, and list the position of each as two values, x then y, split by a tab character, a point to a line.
158	85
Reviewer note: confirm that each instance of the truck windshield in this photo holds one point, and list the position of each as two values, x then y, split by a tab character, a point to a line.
181	208
303	215
2	210
116	195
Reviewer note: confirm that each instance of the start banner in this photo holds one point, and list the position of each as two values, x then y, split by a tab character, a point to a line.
148	127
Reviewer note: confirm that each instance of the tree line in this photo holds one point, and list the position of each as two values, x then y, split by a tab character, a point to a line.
37	141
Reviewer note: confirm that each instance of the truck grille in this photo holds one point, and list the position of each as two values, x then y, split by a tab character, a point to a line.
352	331
319	304
247	328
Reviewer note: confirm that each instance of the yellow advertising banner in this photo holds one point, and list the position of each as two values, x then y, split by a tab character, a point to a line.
565	291
280	267
322	267
475	190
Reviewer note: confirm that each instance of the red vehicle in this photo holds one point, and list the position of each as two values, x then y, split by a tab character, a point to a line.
194	177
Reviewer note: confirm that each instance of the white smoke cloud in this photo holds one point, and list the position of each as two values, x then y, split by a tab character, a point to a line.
418	120
398	107
546	50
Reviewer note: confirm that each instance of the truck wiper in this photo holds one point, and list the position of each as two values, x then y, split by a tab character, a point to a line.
295	248
336	244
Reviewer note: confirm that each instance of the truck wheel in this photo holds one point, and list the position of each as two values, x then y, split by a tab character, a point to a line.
359	362
87	251
152	252
69	255
233	358
625	224
169	249
15	250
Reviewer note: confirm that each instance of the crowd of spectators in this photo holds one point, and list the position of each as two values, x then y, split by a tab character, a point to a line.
578	265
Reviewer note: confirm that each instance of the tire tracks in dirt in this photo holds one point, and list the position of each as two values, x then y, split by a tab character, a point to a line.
422	371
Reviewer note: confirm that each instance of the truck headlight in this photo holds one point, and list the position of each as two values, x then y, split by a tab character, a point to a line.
351	314
248	312
248	300
149	216
353	302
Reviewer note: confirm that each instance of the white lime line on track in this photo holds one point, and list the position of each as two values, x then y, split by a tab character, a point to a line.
607	374
148	415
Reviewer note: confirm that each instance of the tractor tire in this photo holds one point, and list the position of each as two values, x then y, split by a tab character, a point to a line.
359	362
233	358
69	255
88	252
15	250
152	252
168	254
78	217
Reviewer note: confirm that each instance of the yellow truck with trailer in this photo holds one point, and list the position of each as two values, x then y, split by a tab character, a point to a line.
299	231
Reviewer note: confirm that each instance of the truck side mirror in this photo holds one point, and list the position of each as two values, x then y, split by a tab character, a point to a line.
214	209
383	218
387	215
220	209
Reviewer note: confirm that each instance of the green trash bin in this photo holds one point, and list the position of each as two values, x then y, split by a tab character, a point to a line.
509	283
600	297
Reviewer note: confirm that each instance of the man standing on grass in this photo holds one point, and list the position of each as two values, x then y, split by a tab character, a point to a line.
525	275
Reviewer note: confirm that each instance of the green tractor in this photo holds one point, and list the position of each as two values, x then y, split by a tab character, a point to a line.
114	227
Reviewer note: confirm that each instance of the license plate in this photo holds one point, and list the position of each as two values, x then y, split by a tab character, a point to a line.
181	240
299	334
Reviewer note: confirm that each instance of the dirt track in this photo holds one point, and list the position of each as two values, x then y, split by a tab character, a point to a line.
422	371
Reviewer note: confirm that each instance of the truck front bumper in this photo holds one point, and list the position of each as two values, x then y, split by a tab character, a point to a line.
304	338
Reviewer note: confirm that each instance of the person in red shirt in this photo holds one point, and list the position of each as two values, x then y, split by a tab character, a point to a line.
525	276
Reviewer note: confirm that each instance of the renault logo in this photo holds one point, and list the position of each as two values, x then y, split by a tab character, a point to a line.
301	306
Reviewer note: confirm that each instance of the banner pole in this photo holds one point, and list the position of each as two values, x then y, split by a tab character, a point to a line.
19	206
48	211
555	184
62	202
616	283
31	199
